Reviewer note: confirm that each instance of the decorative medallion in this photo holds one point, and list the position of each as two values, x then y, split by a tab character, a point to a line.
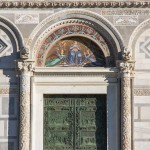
75	51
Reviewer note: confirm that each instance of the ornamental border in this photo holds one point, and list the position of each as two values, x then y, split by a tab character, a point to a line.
75	4
77	74
141	92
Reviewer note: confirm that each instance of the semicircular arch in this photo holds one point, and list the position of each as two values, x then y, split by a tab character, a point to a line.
13	30
102	25
136	34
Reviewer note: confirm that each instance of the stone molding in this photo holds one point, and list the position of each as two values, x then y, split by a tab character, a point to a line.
104	74
75	4
141	92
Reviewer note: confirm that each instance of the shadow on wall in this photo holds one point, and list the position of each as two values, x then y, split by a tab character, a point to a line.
9	92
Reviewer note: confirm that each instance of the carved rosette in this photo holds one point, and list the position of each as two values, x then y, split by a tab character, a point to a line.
25	68
126	67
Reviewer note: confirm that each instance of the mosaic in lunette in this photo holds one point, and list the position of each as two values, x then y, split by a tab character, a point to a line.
75	52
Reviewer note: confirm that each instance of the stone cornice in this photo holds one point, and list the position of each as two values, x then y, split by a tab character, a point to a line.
101	72
75	4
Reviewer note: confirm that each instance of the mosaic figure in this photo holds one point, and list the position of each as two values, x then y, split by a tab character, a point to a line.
75	55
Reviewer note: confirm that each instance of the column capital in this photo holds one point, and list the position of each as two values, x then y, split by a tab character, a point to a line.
126	65
25	66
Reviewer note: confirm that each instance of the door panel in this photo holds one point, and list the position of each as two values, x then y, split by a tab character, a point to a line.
75	122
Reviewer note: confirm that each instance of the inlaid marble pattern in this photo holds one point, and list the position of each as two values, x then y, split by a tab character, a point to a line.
5	44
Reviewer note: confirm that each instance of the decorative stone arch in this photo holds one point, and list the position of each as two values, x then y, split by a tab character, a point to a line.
103	26
13	30
123	68
135	35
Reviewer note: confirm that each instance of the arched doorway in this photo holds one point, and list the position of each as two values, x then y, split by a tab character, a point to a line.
78	54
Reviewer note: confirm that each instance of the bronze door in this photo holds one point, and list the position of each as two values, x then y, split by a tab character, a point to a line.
75	122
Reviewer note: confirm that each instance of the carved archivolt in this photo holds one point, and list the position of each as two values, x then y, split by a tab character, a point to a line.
50	22
75	4
71	27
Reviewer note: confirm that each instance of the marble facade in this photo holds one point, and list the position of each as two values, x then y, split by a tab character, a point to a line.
123	29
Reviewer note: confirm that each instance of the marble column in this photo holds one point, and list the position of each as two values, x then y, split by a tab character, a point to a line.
25	67
126	72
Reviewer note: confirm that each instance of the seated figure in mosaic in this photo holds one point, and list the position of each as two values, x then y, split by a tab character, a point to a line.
75	55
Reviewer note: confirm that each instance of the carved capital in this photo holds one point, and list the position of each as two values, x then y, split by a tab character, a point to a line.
124	69
25	67
126	65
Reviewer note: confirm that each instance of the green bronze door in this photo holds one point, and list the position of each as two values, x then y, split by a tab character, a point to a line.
75	122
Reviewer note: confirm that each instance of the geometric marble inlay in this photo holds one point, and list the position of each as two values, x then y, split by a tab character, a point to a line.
145	46
5	44
2	45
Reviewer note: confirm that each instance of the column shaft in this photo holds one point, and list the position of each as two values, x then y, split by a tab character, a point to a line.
125	113
24	138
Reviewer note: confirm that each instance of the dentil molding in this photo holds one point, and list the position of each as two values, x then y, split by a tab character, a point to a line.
74	4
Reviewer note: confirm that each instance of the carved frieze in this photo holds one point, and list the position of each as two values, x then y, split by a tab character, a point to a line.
26	18
77	4
125	20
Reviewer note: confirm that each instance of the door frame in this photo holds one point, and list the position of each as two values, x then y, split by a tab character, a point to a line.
76	81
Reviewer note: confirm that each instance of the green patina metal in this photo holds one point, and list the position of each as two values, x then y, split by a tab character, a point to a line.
75	122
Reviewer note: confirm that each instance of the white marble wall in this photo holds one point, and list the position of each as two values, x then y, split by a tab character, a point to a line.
142	99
